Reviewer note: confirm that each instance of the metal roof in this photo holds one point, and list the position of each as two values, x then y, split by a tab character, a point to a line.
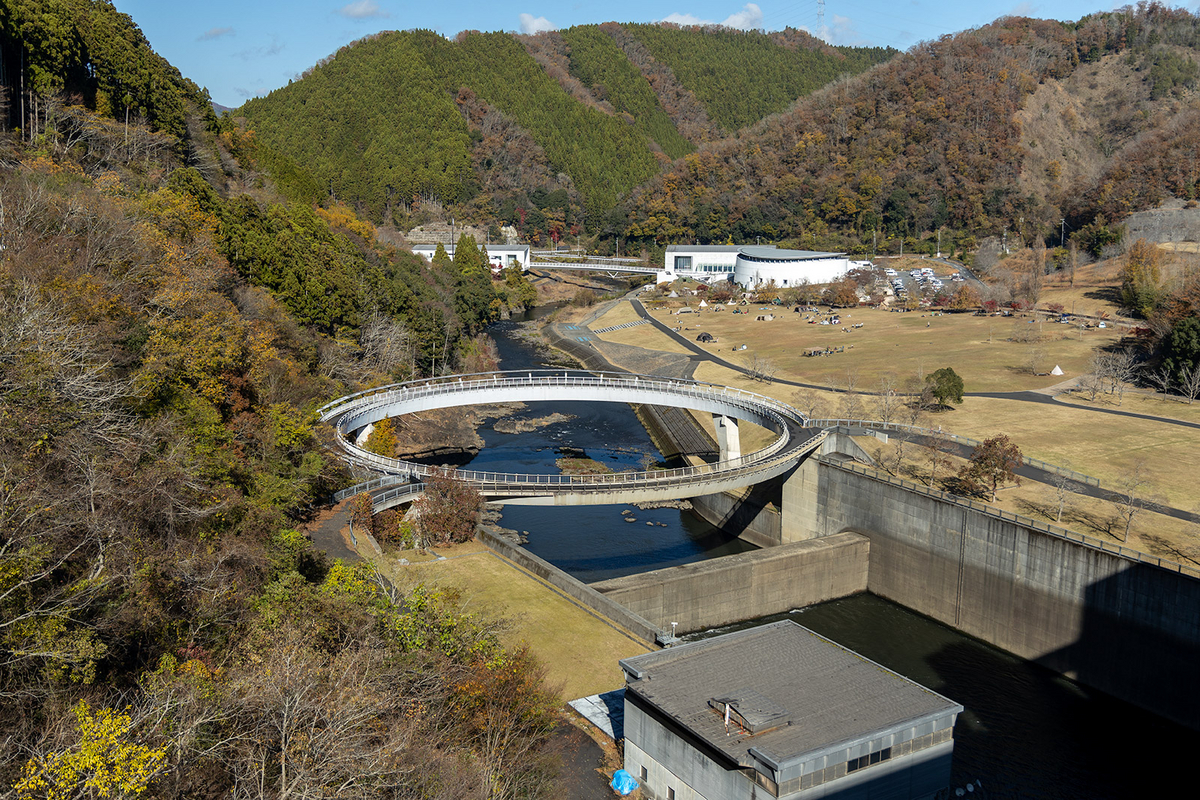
767	251
804	692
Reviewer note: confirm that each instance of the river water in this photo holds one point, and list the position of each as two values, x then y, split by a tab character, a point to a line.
591	543
1026	732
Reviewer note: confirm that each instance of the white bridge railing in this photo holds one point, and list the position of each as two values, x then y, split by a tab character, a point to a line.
787	422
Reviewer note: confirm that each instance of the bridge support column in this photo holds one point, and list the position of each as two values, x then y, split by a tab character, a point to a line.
729	441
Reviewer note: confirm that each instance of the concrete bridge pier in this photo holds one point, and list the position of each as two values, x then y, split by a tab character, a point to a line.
729	440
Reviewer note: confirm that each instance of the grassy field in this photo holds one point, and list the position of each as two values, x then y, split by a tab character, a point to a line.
580	650
1140	402
902	344
1094	293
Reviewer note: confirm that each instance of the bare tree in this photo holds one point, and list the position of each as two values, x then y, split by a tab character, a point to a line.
1189	382
762	368
938	447
1034	359
1114	370
1064	487
385	343
811	403
1160	379
889	399
1128	497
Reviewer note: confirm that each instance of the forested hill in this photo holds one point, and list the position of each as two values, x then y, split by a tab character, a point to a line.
88	52
593	111
1015	126
168	324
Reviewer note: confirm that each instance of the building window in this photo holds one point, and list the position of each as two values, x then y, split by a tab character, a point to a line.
670	793
866	761
643	774
683	262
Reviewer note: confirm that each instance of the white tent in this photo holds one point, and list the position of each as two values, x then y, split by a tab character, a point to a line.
1057	370
673	294
703	304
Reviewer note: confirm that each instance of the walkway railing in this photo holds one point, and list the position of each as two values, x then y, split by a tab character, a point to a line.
1025	522
784	419
1045	466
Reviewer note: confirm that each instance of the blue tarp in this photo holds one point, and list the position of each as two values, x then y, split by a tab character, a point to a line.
623	783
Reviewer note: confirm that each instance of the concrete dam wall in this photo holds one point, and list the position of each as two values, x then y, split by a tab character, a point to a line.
1127	628
732	588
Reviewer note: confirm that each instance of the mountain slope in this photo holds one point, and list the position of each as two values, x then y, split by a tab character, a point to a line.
1010	126
376	122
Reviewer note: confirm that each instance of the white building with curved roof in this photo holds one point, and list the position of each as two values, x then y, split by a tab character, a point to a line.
751	266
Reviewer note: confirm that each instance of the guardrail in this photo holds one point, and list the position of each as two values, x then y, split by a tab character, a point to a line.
1025	522
783	417
1078	477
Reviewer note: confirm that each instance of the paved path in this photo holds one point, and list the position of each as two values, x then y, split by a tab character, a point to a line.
327	535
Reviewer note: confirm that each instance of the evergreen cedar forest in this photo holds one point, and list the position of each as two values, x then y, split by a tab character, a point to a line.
180	291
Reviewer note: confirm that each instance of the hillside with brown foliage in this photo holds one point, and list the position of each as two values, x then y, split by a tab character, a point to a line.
1011	126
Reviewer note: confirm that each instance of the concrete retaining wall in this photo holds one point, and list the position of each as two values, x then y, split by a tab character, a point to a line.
585	594
1127	628
737	587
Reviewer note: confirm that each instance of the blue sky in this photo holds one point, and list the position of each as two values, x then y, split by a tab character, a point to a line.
246	48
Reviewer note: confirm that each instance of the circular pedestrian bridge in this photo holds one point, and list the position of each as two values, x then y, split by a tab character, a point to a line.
733	470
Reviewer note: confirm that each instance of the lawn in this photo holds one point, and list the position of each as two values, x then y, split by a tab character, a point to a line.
902	344
580	650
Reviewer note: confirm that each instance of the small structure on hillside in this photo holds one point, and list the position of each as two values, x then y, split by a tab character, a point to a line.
1057	370
780	711
706	337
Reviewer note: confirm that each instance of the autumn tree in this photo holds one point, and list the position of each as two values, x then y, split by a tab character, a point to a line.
448	509
1141	283
993	463
382	441
965	298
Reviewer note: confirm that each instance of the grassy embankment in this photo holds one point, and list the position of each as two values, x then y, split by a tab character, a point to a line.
579	649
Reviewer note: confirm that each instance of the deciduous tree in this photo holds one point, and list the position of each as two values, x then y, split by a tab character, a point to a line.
946	385
993	463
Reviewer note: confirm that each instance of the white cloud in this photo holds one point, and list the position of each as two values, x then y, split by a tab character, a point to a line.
362	9
687	19
214	33
532	24
749	18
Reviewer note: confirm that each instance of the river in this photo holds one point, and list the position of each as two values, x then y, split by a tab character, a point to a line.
592	543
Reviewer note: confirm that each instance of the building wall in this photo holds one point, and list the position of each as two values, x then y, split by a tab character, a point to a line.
786	274
729	589
671	762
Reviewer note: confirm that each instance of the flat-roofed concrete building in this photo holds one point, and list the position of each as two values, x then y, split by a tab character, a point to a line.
780	711
751	266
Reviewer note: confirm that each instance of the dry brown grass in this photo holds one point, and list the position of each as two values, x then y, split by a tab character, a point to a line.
580	650
1156	534
903	344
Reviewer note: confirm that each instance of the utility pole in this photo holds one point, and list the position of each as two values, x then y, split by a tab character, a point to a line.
1004	240
939	255
1062	236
